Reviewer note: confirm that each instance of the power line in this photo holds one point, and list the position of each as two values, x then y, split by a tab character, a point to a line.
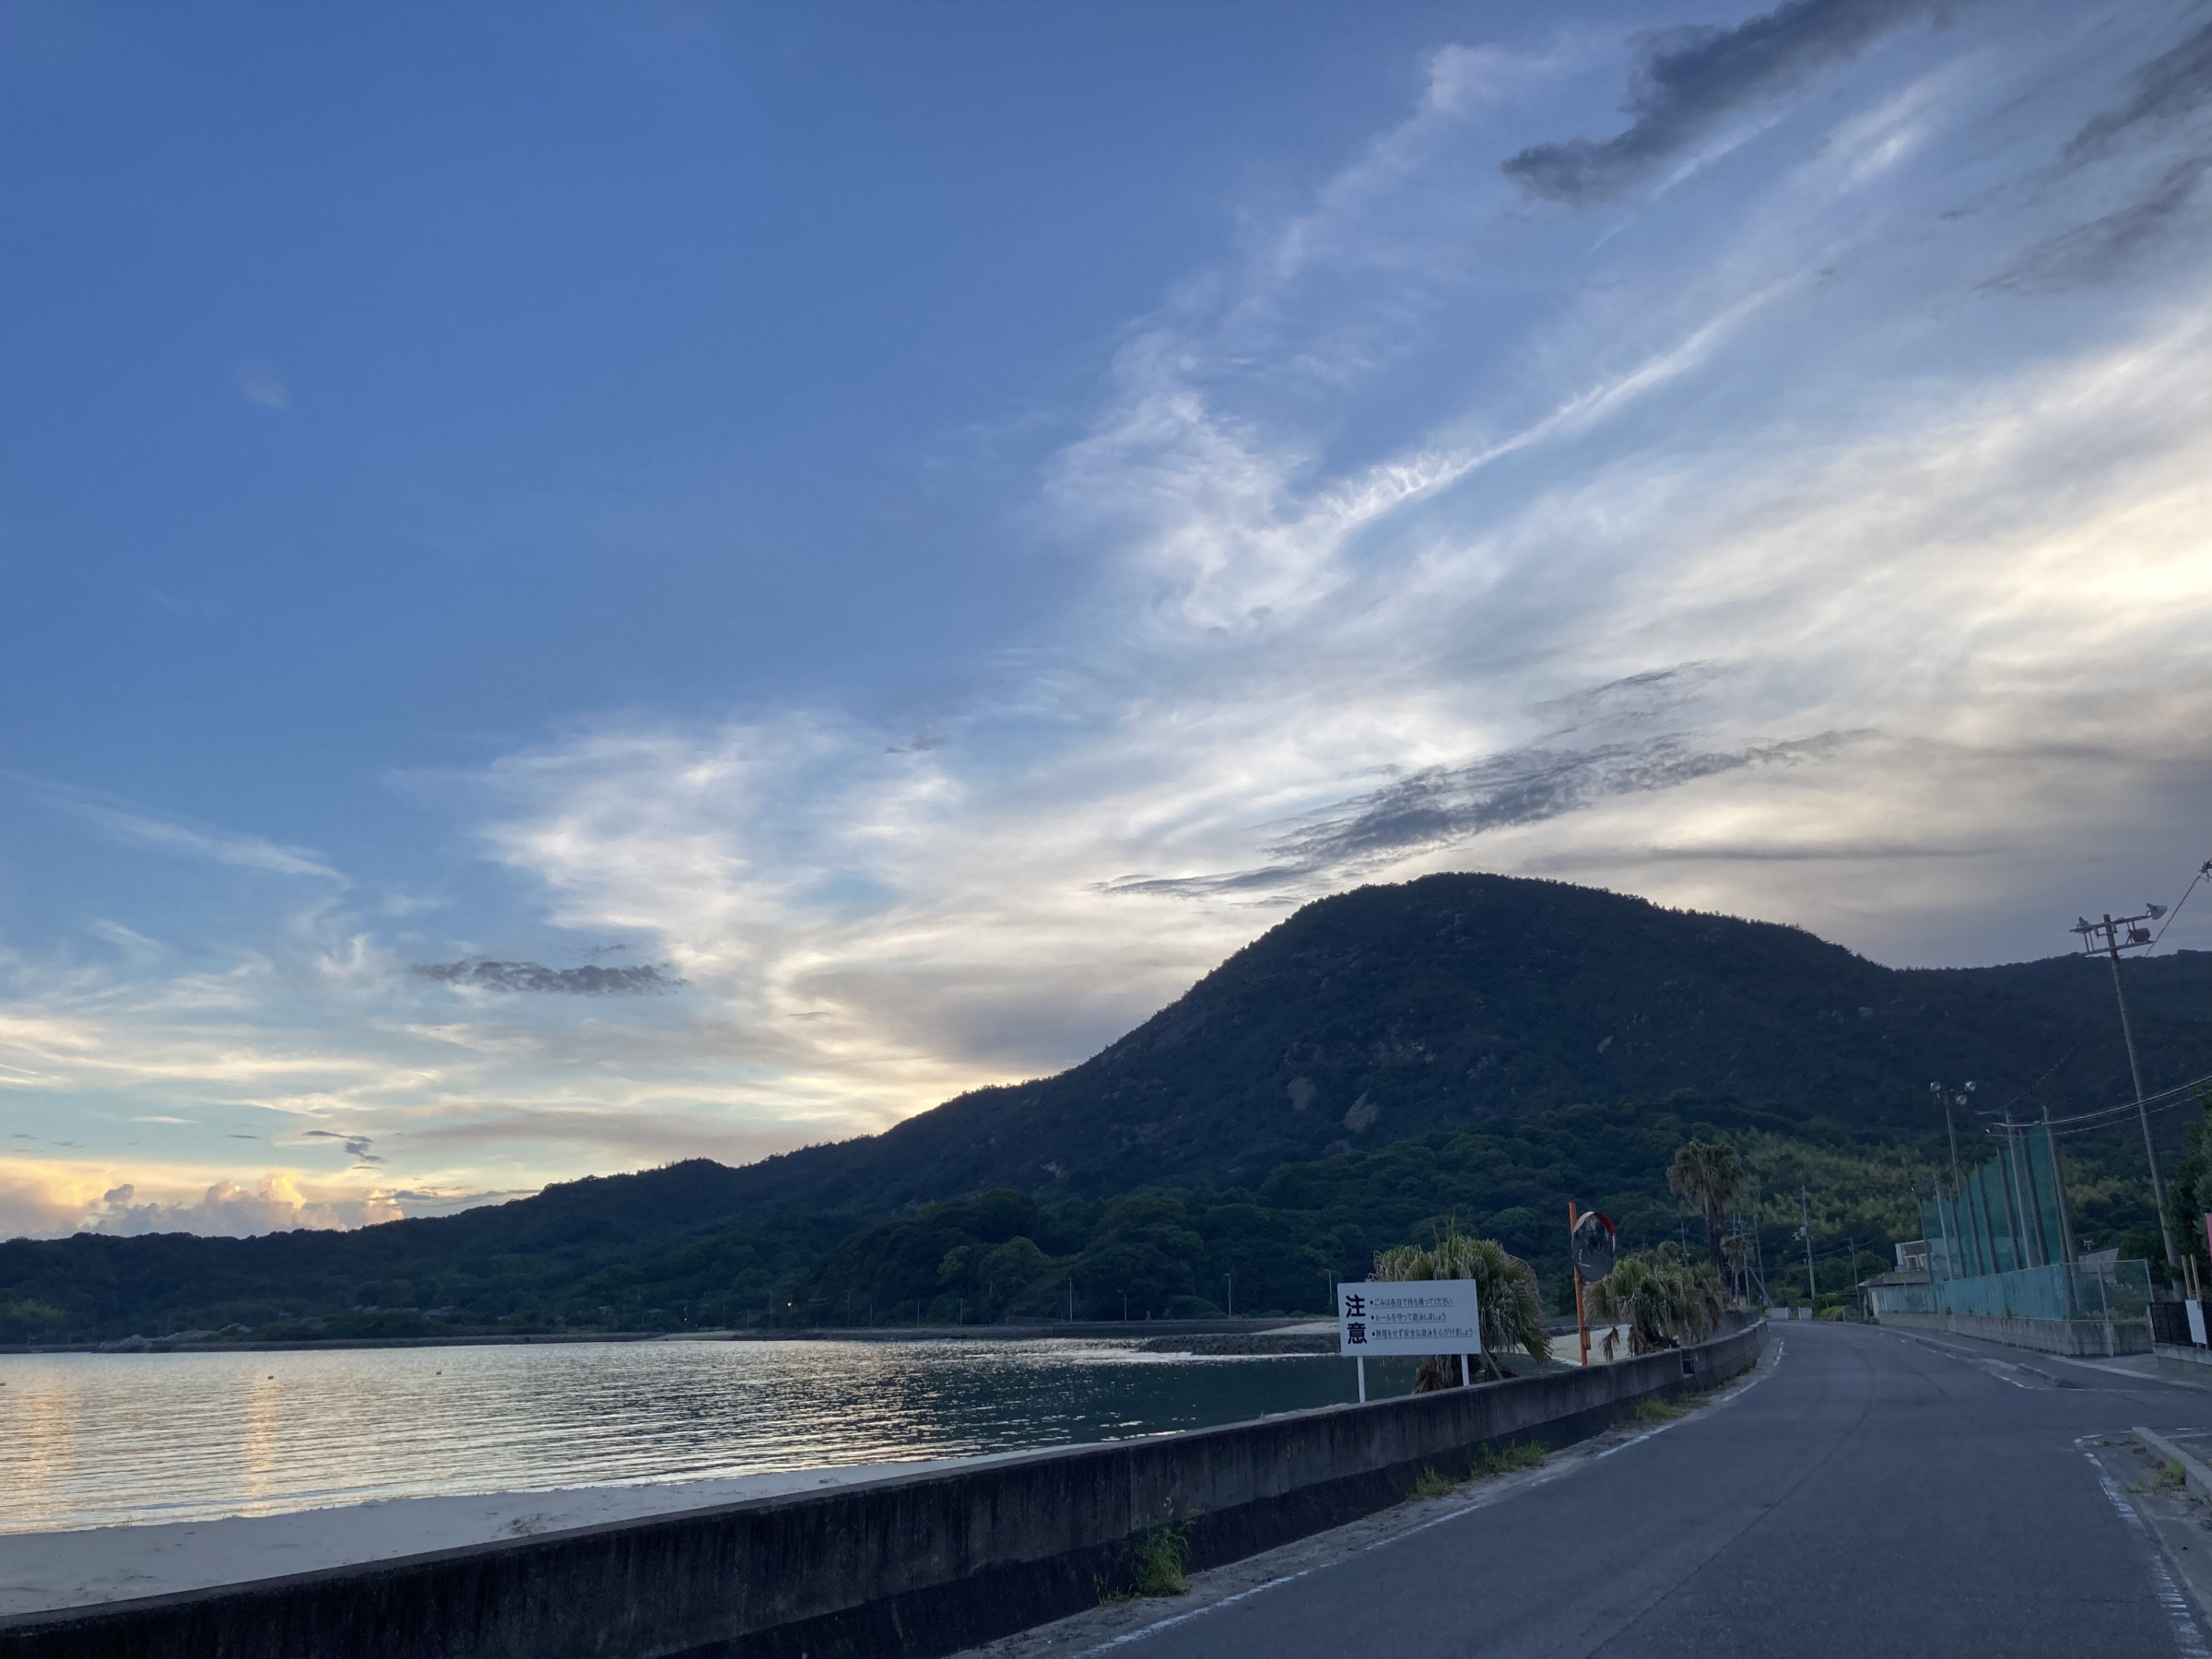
2202	870
2166	1100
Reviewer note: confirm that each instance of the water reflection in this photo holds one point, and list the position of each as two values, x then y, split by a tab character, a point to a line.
91	1440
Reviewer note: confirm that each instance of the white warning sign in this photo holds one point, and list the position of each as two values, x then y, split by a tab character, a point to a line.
1410	1316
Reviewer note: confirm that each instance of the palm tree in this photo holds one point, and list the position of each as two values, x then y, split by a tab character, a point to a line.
1663	1301
1737	1249
1709	1175
1512	1310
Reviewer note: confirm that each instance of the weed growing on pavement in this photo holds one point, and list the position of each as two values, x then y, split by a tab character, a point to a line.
1160	1561
1160	1567
1431	1483
2164	1477
1658	1410
1504	1460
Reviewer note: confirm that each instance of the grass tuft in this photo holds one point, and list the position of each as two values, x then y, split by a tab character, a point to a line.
1504	1460
1660	1410
2165	1477
1162	1559
1431	1483
1160	1566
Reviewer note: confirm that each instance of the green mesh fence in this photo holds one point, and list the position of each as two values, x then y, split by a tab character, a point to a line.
2008	1218
1997	1250
2120	1291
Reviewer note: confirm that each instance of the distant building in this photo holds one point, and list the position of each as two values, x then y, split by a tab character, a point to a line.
1912	1256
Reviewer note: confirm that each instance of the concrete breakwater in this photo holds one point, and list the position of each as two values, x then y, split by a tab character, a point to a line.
924	1564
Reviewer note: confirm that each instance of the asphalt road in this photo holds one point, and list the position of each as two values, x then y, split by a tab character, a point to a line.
1871	1496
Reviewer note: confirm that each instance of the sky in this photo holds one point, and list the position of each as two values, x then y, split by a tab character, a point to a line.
589	584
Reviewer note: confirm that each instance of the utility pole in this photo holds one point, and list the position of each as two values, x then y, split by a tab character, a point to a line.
1943	1227
1581	1317
2023	1203
1805	1212
1232	1293
1938	1090
2137	935
1759	1255
2058	1190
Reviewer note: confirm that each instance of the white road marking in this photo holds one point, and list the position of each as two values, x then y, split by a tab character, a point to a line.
1154	1628
2186	1636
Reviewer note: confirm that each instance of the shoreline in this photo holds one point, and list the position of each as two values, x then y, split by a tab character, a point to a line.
1132	1329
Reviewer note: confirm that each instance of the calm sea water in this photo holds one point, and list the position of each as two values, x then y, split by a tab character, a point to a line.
97	1440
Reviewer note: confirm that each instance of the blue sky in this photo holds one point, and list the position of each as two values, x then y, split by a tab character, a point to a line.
857	550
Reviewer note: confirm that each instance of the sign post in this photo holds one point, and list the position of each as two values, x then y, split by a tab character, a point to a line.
1409	1316
1581	1319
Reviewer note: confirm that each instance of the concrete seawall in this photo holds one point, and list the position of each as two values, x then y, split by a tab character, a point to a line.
923	1565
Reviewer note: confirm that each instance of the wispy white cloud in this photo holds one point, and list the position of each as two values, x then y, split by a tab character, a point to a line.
1757	451
179	837
1774	556
264	385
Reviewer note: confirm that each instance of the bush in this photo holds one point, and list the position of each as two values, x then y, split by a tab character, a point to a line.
1512	1307
1663	1299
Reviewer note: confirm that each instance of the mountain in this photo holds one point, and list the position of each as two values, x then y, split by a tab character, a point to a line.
1517	1041
1439	1004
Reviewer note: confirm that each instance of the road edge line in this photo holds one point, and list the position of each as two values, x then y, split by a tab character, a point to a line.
2187	1634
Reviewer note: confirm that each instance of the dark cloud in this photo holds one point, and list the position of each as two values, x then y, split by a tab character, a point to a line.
2104	246
1686	80
1442	805
430	1202
663	1137
356	1145
2168	88
1639	700
530	976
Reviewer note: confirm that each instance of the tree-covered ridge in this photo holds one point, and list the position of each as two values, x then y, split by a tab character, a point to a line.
1004	1254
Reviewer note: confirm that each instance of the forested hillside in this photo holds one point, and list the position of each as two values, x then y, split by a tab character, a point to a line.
1448	1002
1466	1044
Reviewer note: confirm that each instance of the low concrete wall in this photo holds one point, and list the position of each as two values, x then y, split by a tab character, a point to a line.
923	1565
2075	1336
2184	1362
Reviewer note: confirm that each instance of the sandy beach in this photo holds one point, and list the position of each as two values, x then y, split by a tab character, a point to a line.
45	1570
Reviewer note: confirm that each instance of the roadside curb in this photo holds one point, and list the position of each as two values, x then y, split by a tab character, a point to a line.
2195	1473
